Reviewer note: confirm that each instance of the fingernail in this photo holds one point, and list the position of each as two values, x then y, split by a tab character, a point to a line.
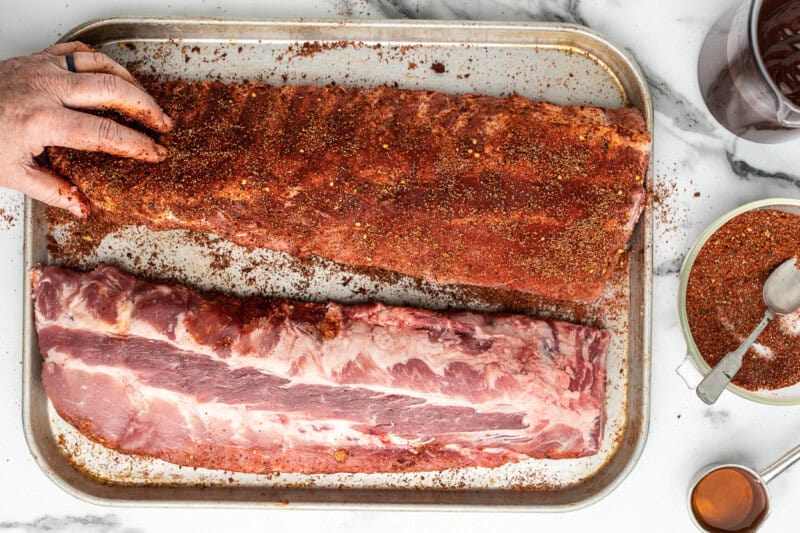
161	151
168	121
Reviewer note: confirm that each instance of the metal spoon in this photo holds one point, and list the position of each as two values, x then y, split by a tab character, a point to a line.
761	478
781	293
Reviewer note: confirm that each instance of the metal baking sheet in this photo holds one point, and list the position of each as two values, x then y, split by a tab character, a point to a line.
560	63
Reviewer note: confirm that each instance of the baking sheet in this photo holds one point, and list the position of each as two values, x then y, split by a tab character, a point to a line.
559	63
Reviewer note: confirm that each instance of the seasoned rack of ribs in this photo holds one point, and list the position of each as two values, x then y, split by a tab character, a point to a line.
455	189
262	385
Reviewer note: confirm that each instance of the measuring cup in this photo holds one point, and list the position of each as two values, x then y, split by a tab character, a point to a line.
734	81
757	481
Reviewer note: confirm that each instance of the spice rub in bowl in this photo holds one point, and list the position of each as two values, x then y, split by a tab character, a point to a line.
724	301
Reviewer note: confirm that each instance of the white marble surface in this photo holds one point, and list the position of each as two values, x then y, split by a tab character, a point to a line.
692	154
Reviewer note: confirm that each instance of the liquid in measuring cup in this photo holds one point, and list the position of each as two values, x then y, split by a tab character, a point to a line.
749	70
779	45
728	500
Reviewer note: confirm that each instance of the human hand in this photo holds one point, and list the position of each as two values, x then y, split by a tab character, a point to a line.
41	104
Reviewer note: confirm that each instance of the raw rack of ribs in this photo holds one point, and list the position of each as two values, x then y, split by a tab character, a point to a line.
262	385
454	189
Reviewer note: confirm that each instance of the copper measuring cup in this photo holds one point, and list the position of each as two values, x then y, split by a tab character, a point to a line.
745	519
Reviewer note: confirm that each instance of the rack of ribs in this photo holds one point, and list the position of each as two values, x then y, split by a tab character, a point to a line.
262	385
454	189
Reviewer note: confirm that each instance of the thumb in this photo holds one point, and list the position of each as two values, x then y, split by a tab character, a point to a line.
45	186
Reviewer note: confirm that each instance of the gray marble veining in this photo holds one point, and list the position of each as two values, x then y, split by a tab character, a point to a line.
685	114
542	10
748	172
669	267
107	523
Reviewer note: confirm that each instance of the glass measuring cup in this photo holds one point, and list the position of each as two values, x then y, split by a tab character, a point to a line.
734	79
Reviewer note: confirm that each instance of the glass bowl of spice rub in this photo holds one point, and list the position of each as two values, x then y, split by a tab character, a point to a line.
720	299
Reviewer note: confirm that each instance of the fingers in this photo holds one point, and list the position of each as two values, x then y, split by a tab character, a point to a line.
51	189
61	49
106	91
82	131
98	63
103	83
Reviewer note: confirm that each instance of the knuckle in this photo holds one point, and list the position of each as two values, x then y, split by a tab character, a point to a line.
28	119
36	57
109	84
40	56
41	79
52	196
98	59
35	121
32	180
37	72
38	82
35	127
108	131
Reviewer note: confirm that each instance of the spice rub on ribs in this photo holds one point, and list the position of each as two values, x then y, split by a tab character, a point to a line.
261	385
463	189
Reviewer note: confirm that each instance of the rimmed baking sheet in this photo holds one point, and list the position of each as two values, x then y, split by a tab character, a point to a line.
559	63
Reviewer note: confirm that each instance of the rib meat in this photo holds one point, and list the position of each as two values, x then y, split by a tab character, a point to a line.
262	385
465	189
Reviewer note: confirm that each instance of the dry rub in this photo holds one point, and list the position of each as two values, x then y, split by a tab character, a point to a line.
465	189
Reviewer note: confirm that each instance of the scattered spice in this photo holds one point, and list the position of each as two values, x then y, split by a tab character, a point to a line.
7	220
724	297
438	68
82	239
310	49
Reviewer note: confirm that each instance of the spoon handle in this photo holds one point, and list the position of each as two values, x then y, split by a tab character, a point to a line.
772	471
715	381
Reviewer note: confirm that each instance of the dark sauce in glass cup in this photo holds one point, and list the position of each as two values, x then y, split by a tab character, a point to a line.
749	70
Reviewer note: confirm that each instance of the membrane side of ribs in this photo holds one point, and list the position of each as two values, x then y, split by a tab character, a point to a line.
263	385
456	189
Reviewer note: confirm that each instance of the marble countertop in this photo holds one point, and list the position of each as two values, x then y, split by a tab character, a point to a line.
701	172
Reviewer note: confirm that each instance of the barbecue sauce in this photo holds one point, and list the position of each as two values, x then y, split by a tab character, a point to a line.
732	81
779	45
729	500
